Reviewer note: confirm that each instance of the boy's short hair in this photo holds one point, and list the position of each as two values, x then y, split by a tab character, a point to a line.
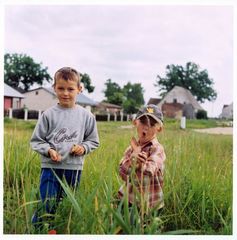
152	111
67	73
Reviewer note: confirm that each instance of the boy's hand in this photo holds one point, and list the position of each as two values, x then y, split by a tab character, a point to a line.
77	150
55	156
142	157
135	146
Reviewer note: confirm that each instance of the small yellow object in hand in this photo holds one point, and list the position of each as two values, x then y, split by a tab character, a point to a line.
77	150
73	148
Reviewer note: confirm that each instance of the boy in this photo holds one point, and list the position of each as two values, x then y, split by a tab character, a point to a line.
64	134
143	163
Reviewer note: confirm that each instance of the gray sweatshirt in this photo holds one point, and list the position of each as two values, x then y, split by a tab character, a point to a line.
60	128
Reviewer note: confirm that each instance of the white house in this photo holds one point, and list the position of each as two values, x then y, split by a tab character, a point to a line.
227	112
12	98
180	95
42	98
177	102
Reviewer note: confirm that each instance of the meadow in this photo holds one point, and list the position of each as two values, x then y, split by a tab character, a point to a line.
198	184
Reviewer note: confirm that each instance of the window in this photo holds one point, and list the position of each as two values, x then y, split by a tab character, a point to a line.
36	93
175	100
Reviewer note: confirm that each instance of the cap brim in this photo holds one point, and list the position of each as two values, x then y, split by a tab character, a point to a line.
151	115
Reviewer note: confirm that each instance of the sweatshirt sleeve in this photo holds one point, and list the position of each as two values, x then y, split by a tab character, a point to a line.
38	140
91	138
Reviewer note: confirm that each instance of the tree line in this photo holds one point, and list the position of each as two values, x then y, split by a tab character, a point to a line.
21	71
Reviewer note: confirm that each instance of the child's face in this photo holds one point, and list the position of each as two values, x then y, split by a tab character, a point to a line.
146	129
66	92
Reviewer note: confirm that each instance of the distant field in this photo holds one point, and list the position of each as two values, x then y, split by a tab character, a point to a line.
198	183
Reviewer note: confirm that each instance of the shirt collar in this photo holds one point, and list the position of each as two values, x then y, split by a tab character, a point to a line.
153	141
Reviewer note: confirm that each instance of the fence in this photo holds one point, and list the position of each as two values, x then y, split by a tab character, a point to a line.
33	114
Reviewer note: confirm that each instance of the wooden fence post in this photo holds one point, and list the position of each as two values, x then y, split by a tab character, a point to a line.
121	116
39	114
26	114
183	123
10	112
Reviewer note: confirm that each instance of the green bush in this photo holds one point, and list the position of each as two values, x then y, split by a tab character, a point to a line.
201	114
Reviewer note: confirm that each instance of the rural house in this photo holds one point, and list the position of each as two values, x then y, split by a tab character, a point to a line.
154	101
42	98
227	112
104	108
178	102
12	98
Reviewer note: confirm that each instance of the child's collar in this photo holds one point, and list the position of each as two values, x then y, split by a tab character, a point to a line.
152	141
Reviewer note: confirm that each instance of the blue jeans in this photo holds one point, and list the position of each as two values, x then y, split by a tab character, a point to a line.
51	191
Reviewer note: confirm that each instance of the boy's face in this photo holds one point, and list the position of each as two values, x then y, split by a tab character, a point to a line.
146	129
66	91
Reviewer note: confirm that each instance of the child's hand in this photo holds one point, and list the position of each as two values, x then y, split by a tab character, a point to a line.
55	156
142	157
139	157
135	146
77	150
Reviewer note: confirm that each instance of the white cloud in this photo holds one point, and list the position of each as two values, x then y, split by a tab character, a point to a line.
127	43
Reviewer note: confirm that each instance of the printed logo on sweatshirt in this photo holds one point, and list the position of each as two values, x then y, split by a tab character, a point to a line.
63	136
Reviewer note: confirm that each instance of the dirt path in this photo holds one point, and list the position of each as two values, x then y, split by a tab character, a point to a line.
218	130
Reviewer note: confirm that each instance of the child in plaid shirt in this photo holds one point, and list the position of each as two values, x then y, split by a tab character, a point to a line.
142	166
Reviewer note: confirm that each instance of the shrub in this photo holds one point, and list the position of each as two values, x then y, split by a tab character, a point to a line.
201	114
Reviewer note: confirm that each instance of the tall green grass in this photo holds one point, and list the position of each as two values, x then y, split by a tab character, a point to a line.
198	185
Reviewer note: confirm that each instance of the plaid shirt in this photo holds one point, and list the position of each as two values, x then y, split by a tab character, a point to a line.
146	184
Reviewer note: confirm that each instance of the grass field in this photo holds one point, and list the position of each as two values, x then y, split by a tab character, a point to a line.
198	183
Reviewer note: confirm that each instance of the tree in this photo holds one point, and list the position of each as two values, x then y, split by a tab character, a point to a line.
191	78
130	96
86	80
113	93
20	70
133	97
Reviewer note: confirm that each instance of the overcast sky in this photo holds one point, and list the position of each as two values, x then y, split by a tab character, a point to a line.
127	43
